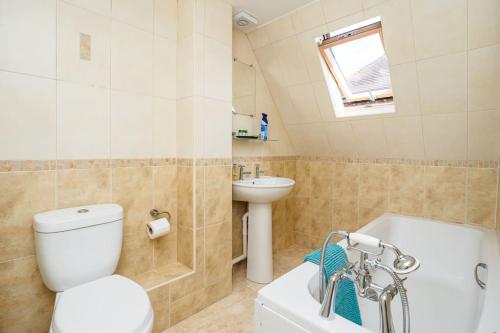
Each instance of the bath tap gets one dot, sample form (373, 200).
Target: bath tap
(361, 274)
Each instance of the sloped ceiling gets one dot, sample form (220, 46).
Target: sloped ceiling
(446, 83)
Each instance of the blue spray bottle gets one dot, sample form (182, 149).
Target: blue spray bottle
(263, 127)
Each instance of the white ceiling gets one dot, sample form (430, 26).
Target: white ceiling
(266, 10)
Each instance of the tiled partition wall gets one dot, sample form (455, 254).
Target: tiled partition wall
(335, 194)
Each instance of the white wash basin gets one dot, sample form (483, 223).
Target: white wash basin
(262, 190)
(260, 193)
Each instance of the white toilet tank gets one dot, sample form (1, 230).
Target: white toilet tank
(78, 245)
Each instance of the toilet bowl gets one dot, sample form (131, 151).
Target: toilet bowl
(111, 304)
(77, 251)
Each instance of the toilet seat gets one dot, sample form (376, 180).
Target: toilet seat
(110, 304)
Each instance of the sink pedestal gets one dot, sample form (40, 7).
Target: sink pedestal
(260, 242)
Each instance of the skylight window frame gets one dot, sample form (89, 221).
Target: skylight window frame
(334, 68)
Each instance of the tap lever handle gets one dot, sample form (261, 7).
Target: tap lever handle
(364, 239)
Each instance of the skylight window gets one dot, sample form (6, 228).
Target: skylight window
(357, 69)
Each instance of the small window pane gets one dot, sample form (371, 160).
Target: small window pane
(363, 64)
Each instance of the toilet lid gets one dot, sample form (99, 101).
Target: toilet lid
(110, 304)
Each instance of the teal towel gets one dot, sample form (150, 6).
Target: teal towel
(346, 301)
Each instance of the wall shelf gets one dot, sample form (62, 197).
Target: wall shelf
(251, 139)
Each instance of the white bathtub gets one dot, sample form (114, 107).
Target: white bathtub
(443, 294)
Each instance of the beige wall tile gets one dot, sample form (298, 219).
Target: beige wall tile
(99, 6)
(405, 88)
(137, 248)
(165, 249)
(445, 193)
(406, 190)
(484, 71)
(165, 199)
(346, 21)
(82, 121)
(73, 21)
(29, 37)
(404, 137)
(345, 216)
(370, 138)
(185, 197)
(258, 38)
(432, 21)
(374, 186)
(164, 65)
(345, 183)
(184, 127)
(444, 137)
(481, 196)
(216, 140)
(28, 117)
(218, 193)
(280, 230)
(136, 13)
(26, 303)
(187, 306)
(309, 139)
(498, 210)
(218, 70)
(185, 246)
(301, 217)
(335, 9)
(131, 59)
(185, 68)
(160, 300)
(398, 32)
(219, 290)
(131, 125)
(165, 18)
(443, 84)
(164, 128)
(218, 21)
(342, 139)
(304, 102)
(238, 209)
(218, 252)
(185, 18)
(366, 215)
(24, 194)
(292, 63)
(323, 100)
(484, 135)
(83, 187)
(483, 23)
(308, 17)
(279, 29)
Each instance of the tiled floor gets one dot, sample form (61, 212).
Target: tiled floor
(235, 313)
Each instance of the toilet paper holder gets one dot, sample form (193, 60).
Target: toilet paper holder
(155, 213)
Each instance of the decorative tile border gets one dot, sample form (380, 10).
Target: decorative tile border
(450, 163)
(43, 165)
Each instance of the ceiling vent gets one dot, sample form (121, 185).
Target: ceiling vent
(244, 21)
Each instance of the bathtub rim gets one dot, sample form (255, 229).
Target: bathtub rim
(285, 292)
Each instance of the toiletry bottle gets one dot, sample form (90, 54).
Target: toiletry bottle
(263, 127)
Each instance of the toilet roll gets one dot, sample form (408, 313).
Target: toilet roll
(158, 228)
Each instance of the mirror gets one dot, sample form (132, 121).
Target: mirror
(244, 88)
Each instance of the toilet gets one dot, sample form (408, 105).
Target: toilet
(77, 250)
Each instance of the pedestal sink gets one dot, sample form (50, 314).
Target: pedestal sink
(260, 193)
